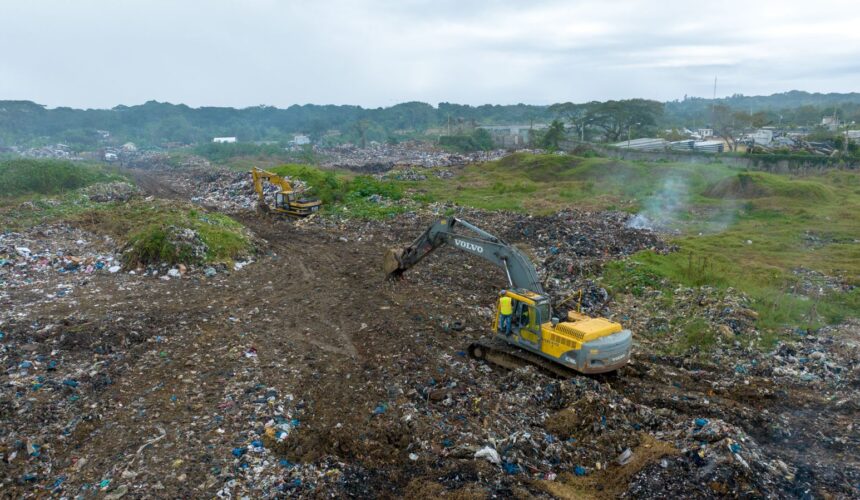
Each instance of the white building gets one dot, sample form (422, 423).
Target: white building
(830, 122)
(224, 140)
(762, 136)
(300, 140)
(705, 132)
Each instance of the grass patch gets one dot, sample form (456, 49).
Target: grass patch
(23, 177)
(346, 194)
(162, 231)
(547, 183)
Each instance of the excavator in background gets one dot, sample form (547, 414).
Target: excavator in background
(287, 201)
(581, 343)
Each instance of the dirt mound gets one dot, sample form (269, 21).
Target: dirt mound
(751, 185)
(740, 186)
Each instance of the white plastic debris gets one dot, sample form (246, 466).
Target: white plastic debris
(625, 457)
(490, 454)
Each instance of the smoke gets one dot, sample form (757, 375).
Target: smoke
(669, 209)
(665, 208)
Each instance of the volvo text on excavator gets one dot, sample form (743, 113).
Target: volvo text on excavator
(580, 342)
(287, 201)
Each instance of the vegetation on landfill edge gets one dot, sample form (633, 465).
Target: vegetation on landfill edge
(348, 194)
(50, 177)
(741, 229)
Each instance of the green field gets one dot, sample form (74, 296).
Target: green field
(23, 177)
(734, 228)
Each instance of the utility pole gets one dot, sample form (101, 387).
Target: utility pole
(714, 104)
(628, 133)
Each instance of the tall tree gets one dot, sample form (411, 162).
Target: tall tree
(728, 124)
(553, 135)
(575, 114)
(615, 118)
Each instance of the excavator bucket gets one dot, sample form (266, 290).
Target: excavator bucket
(391, 262)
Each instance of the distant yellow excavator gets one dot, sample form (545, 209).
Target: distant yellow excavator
(287, 201)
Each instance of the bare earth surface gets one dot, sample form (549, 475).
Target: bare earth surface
(307, 374)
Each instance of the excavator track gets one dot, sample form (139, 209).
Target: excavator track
(500, 353)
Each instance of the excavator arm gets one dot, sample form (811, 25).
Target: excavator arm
(518, 268)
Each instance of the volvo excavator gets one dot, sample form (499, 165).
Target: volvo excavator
(579, 342)
(287, 201)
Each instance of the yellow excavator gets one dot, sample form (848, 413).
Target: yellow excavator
(287, 201)
(536, 335)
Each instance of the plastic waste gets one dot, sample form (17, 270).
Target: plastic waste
(625, 457)
(490, 454)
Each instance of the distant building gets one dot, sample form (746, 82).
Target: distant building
(709, 146)
(129, 147)
(224, 140)
(762, 136)
(705, 132)
(300, 140)
(643, 144)
(830, 122)
(853, 134)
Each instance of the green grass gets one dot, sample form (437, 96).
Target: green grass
(146, 228)
(347, 194)
(543, 184)
(738, 229)
(23, 177)
(766, 239)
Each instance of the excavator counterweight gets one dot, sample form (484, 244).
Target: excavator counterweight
(580, 342)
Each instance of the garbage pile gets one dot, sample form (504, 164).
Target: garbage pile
(157, 160)
(567, 247)
(378, 158)
(228, 191)
(412, 174)
(111, 191)
(30, 257)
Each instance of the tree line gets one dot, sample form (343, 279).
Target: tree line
(156, 124)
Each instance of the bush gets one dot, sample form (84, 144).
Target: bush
(478, 140)
(50, 177)
(331, 188)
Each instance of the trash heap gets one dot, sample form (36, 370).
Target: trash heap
(111, 192)
(229, 191)
(379, 158)
(31, 256)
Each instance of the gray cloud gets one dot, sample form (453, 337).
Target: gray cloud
(91, 53)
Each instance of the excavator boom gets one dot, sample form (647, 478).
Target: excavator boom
(519, 270)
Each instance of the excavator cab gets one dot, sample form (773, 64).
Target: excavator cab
(526, 317)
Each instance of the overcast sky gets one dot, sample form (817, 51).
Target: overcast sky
(100, 53)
